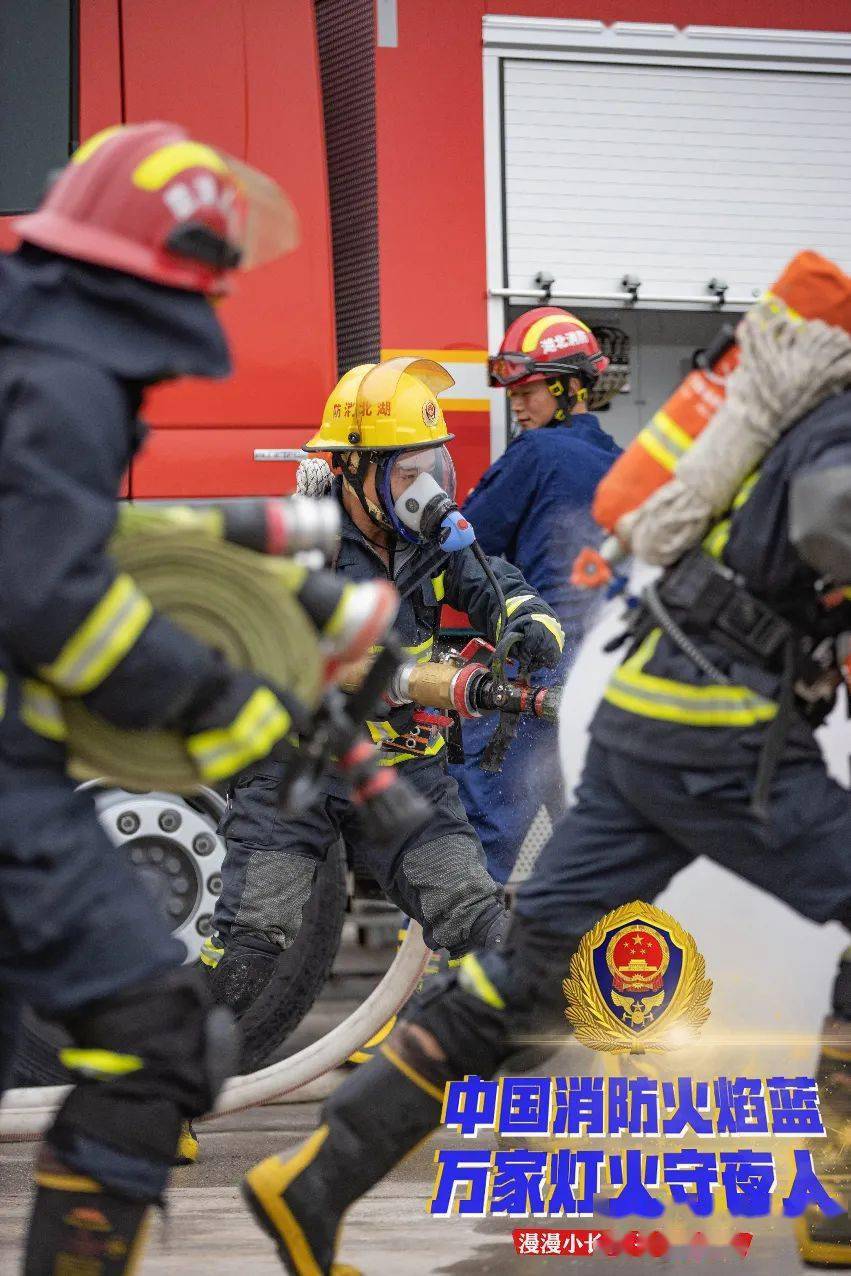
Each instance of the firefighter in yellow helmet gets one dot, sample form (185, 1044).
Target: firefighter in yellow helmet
(385, 429)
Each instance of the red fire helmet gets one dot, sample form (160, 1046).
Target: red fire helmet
(149, 200)
(547, 343)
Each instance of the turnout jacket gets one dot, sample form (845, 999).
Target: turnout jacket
(78, 345)
(658, 705)
(458, 580)
(533, 505)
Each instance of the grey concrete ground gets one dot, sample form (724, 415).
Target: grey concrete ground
(206, 1228)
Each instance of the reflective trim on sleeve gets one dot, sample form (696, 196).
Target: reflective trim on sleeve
(257, 728)
(421, 651)
(102, 641)
(472, 978)
(649, 696)
(100, 1065)
(41, 710)
(550, 623)
(439, 586)
(511, 605)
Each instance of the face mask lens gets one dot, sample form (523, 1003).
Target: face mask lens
(408, 466)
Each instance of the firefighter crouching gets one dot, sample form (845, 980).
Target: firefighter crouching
(108, 294)
(386, 431)
(702, 745)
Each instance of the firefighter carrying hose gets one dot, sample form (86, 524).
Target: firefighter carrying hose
(386, 431)
(702, 745)
(109, 294)
(533, 506)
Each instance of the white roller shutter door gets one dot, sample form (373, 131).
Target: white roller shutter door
(673, 173)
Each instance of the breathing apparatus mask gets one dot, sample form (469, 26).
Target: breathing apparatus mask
(416, 495)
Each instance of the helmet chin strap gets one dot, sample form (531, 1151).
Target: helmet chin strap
(565, 401)
(353, 479)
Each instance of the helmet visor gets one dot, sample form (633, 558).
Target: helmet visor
(263, 224)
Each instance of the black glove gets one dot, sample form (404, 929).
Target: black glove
(541, 636)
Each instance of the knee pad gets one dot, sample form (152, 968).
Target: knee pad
(457, 898)
(148, 1058)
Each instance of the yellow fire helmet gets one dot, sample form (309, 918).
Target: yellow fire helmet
(382, 407)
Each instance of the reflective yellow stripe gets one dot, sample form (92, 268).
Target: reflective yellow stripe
(99, 1063)
(649, 696)
(211, 953)
(94, 143)
(259, 725)
(675, 436)
(511, 605)
(66, 1182)
(517, 600)
(4, 684)
(103, 639)
(473, 978)
(411, 1073)
(715, 541)
(362, 1055)
(439, 586)
(550, 623)
(41, 710)
(156, 170)
(421, 651)
(381, 731)
(337, 619)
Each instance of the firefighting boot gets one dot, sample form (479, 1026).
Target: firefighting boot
(823, 1241)
(378, 1115)
(187, 1145)
(77, 1226)
(241, 971)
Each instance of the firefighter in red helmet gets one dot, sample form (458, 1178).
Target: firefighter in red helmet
(533, 507)
(107, 295)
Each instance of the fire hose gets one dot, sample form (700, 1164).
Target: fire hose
(240, 602)
(25, 1114)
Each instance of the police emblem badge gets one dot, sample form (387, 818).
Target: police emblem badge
(637, 983)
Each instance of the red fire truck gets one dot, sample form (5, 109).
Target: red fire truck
(452, 162)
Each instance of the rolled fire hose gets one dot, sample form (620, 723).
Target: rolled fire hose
(238, 601)
(26, 1114)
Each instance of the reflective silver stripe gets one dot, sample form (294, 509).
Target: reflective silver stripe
(41, 710)
(103, 639)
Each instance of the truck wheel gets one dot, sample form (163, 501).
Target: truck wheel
(301, 970)
(173, 846)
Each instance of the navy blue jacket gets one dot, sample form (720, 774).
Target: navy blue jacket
(78, 346)
(533, 506)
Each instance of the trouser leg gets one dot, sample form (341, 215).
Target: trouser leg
(82, 943)
(267, 878)
(468, 1021)
(438, 876)
(149, 1058)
